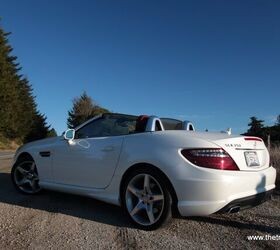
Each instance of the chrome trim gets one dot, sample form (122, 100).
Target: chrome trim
(253, 149)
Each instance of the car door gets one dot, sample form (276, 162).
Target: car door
(91, 158)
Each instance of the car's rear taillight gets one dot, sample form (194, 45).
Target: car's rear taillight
(216, 158)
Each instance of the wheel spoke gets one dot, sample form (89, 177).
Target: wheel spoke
(133, 190)
(35, 178)
(137, 208)
(146, 181)
(157, 197)
(33, 184)
(22, 171)
(149, 210)
(147, 187)
(22, 181)
(32, 168)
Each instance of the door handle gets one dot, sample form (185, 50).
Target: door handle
(108, 149)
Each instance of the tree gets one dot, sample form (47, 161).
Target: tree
(52, 133)
(9, 94)
(274, 132)
(83, 109)
(39, 129)
(278, 121)
(19, 117)
(27, 109)
(256, 127)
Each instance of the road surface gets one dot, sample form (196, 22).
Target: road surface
(54, 220)
(6, 155)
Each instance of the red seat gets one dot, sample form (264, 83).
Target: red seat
(141, 123)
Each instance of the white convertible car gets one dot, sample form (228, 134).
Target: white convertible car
(150, 166)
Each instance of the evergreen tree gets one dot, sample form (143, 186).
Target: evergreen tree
(28, 108)
(274, 132)
(52, 133)
(278, 121)
(83, 109)
(19, 117)
(39, 128)
(256, 127)
(9, 94)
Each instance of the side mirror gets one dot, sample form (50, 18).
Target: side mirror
(69, 134)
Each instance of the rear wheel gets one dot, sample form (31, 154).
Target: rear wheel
(25, 176)
(146, 199)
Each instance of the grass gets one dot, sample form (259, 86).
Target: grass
(6, 144)
(275, 161)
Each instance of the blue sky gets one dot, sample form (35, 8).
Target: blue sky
(213, 62)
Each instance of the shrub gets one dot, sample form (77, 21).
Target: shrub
(275, 162)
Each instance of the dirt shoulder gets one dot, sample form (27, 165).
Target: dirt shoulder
(54, 220)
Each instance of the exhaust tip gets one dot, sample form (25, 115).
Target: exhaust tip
(234, 209)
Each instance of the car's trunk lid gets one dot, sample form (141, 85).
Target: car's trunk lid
(249, 153)
(244, 150)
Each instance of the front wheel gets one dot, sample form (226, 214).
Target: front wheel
(146, 199)
(25, 176)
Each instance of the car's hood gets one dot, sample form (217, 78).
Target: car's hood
(42, 142)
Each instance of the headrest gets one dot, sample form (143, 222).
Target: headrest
(141, 123)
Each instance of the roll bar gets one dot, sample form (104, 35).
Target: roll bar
(187, 125)
(152, 124)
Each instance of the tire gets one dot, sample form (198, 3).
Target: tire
(25, 177)
(146, 198)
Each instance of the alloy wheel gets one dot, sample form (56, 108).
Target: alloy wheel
(26, 177)
(144, 199)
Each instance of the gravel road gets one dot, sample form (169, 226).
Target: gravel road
(54, 220)
(6, 154)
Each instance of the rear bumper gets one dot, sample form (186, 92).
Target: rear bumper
(246, 202)
(215, 190)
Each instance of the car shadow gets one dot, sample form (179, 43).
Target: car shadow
(98, 211)
(56, 202)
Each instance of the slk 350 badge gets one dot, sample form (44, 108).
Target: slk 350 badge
(233, 145)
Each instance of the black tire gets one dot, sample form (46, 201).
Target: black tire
(166, 213)
(24, 162)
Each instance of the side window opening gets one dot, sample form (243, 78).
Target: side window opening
(92, 129)
(108, 125)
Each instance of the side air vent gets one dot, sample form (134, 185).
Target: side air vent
(45, 153)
